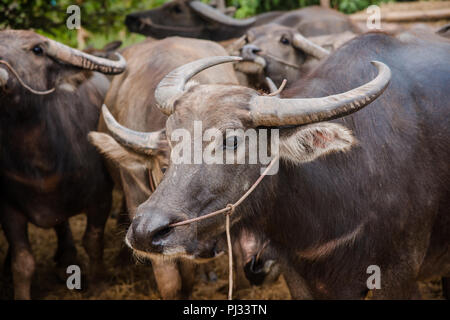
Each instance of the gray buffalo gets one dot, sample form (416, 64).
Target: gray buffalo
(49, 101)
(355, 191)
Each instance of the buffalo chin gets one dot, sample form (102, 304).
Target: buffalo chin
(167, 256)
(175, 253)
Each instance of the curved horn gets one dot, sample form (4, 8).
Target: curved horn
(309, 47)
(272, 86)
(84, 60)
(217, 16)
(272, 111)
(172, 85)
(141, 142)
(274, 91)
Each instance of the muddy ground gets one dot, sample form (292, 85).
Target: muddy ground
(137, 281)
(134, 281)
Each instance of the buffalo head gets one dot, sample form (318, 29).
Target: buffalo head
(192, 188)
(31, 62)
(278, 52)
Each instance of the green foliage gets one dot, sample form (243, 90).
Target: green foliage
(103, 18)
(351, 6)
(246, 8)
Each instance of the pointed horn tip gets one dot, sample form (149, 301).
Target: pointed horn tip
(229, 58)
(380, 65)
(383, 69)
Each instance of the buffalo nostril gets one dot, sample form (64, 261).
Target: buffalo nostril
(250, 50)
(160, 234)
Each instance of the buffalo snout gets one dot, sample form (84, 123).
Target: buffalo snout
(249, 51)
(133, 22)
(150, 231)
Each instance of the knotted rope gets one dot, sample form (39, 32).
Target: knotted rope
(228, 211)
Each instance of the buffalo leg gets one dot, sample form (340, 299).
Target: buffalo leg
(188, 273)
(7, 263)
(125, 256)
(446, 287)
(298, 287)
(168, 279)
(15, 226)
(66, 253)
(397, 286)
(93, 237)
(239, 263)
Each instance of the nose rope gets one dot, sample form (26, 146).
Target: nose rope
(228, 211)
(23, 83)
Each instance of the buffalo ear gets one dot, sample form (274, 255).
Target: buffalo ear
(312, 141)
(112, 150)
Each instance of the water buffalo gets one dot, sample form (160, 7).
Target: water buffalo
(281, 52)
(131, 100)
(192, 19)
(332, 213)
(198, 20)
(50, 99)
(138, 171)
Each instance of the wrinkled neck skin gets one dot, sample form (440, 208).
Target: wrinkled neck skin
(280, 202)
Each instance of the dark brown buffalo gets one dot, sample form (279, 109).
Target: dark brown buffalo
(48, 170)
(330, 212)
(197, 20)
(193, 19)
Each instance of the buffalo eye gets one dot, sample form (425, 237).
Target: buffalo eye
(37, 50)
(285, 41)
(163, 169)
(231, 143)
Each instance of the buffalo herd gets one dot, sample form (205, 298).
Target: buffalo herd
(362, 135)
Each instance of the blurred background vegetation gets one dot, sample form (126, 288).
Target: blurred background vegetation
(103, 20)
